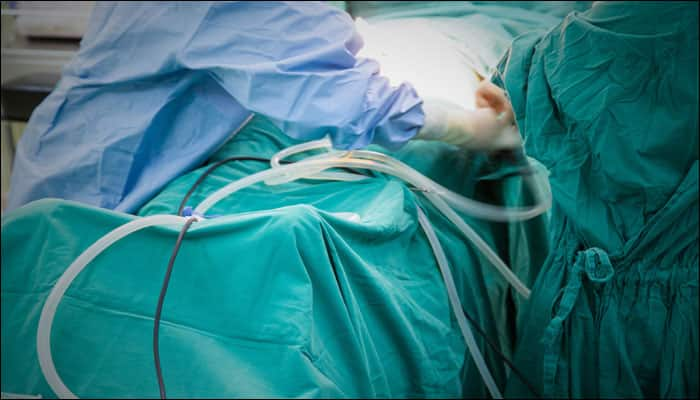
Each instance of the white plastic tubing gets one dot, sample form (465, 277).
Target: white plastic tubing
(543, 197)
(316, 168)
(43, 336)
(456, 306)
(441, 197)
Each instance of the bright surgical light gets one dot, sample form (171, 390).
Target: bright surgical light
(411, 50)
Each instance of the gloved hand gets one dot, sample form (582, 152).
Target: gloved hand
(491, 96)
(489, 127)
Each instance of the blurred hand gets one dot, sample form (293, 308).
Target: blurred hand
(489, 130)
(482, 129)
(491, 96)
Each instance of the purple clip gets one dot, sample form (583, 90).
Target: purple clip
(189, 212)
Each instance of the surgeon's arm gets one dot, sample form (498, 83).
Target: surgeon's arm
(295, 63)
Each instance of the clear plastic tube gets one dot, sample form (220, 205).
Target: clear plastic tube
(8, 395)
(456, 306)
(472, 207)
(289, 172)
(312, 167)
(299, 148)
(408, 174)
(48, 312)
(296, 169)
(303, 147)
(542, 195)
(300, 169)
(480, 244)
(386, 164)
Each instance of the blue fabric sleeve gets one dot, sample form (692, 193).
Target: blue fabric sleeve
(157, 87)
(296, 64)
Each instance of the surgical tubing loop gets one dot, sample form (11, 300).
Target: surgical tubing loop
(303, 147)
(456, 306)
(480, 244)
(315, 167)
(444, 208)
(309, 167)
(469, 206)
(48, 312)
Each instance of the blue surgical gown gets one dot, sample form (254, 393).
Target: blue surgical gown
(156, 88)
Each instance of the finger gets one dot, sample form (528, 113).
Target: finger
(493, 97)
(485, 98)
(481, 101)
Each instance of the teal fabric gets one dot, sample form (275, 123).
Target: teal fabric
(340, 4)
(282, 297)
(608, 101)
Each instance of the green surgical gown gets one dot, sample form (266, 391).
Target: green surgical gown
(608, 102)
